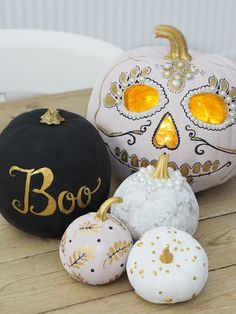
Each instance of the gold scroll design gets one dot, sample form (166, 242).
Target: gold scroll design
(199, 150)
(198, 169)
(116, 251)
(84, 192)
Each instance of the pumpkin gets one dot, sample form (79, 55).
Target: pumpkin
(156, 197)
(54, 168)
(167, 265)
(179, 103)
(95, 247)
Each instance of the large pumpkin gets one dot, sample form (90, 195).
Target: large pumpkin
(151, 102)
(54, 167)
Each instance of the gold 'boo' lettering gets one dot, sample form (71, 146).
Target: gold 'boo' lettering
(83, 197)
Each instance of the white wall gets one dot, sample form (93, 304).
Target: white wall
(208, 25)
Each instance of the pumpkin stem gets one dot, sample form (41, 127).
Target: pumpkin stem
(101, 213)
(51, 117)
(178, 45)
(161, 170)
(166, 257)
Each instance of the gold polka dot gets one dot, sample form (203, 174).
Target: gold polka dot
(139, 244)
(198, 247)
(193, 260)
(174, 240)
(153, 252)
(160, 268)
(177, 265)
(179, 242)
(187, 249)
(194, 278)
(167, 271)
(194, 296)
(153, 260)
(168, 300)
(175, 232)
(168, 231)
(157, 238)
(141, 271)
(160, 292)
(135, 263)
(181, 250)
(154, 273)
(195, 256)
(152, 243)
(176, 248)
(131, 270)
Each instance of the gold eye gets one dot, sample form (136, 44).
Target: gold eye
(209, 108)
(140, 98)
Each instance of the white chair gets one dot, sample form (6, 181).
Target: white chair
(34, 62)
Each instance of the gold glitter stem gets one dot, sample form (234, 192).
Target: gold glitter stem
(101, 213)
(51, 117)
(161, 170)
(178, 45)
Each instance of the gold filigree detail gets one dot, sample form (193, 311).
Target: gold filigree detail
(116, 251)
(51, 117)
(81, 256)
(178, 73)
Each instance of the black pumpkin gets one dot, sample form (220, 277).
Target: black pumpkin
(54, 167)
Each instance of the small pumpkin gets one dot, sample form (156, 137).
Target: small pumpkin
(156, 197)
(54, 168)
(167, 265)
(95, 247)
(169, 102)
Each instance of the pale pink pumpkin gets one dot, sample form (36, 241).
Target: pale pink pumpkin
(148, 103)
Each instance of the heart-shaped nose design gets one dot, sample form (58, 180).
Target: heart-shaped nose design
(166, 134)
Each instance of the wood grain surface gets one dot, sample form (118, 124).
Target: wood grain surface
(32, 279)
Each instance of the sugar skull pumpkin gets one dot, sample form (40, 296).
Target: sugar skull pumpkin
(176, 103)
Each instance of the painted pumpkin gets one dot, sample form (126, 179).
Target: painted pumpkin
(54, 168)
(151, 102)
(95, 247)
(155, 197)
(167, 266)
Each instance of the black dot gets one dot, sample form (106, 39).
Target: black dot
(121, 265)
(70, 241)
(110, 228)
(98, 240)
(92, 270)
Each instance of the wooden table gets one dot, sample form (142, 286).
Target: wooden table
(32, 279)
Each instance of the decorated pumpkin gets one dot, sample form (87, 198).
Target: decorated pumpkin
(54, 168)
(167, 266)
(156, 196)
(95, 247)
(155, 99)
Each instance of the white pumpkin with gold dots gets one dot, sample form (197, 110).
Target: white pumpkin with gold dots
(154, 197)
(167, 265)
(95, 246)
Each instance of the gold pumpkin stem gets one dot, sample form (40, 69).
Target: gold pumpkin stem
(161, 170)
(101, 213)
(178, 45)
(166, 257)
(51, 117)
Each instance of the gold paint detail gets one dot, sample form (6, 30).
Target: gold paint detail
(209, 108)
(154, 273)
(116, 251)
(161, 170)
(178, 45)
(169, 300)
(83, 197)
(87, 228)
(166, 134)
(51, 117)
(194, 296)
(139, 244)
(166, 256)
(102, 212)
(78, 277)
(63, 242)
(81, 256)
(194, 278)
(160, 292)
(140, 98)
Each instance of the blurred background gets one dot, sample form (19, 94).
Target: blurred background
(208, 25)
